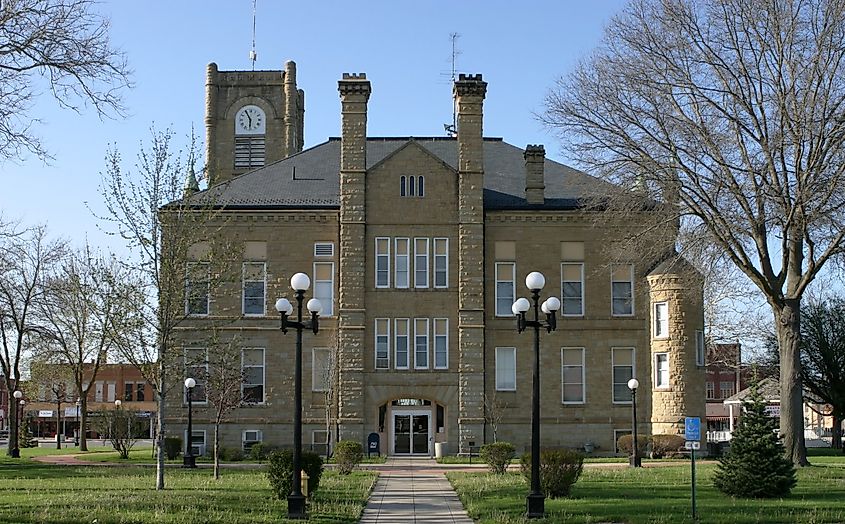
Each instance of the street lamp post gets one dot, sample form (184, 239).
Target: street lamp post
(189, 460)
(16, 452)
(299, 283)
(635, 460)
(535, 281)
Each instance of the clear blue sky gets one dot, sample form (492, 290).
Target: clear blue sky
(403, 46)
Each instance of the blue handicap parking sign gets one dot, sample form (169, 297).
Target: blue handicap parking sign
(692, 428)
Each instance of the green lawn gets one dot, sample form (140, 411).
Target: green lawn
(657, 495)
(32, 492)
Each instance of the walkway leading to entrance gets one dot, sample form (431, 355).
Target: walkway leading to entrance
(408, 491)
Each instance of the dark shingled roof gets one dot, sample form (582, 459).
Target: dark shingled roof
(310, 179)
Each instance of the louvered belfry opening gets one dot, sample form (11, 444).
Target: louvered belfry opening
(249, 152)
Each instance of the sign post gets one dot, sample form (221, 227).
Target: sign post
(692, 435)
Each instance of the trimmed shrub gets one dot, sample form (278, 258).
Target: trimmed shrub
(666, 445)
(172, 447)
(260, 451)
(348, 454)
(559, 470)
(498, 456)
(755, 466)
(231, 454)
(280, 471)
(626, 443)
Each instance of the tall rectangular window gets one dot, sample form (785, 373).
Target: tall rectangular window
(254, 284)
(252, 367)
(441, 262)
(661, 370)
(572, 288)
(505, 369)
(321, 369)
(382, 343)
(711, 389)
(382, 262)
(505, 288)
(402, 330)
(128, 390)
(139, 392)
(441, 343)
(196, 367)
(572, 375)
(421, 262)
(622, 289)
(197, 288)
(661, 320)
(726, 389)
(622, 362)
(420, 343)
(324, 286)
(699, 348)
(403, 263)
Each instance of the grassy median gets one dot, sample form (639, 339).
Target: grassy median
(33, 492)
(657, 495)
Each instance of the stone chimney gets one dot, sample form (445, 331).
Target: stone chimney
(291, 110)
(535, 161)
(469, 92)
(211, 92)
(354, 93)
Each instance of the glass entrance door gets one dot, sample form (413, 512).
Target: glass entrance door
(411, 433)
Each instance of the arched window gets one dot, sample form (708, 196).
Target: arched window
(402, 181)
(411, 186)
(420, 186)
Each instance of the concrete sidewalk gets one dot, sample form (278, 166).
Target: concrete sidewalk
(409, 491)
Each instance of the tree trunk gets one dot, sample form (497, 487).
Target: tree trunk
(159, 440)
(788, 325)
(13, 419)
(58, 425)
(83, 423)
(217, 450)
(836, 433)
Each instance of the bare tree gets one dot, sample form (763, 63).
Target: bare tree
(223, 383)
(52, 379)
(732, 112)
(65, 43)
(26, 261)
(84, 301)
(494, 412)
(163, 231)
(122, 428)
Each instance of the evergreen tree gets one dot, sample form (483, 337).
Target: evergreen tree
(756, 465)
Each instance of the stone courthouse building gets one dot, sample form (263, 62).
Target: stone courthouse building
(417, 248)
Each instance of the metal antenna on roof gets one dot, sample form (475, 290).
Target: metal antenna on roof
(253, 55)
(452, 129)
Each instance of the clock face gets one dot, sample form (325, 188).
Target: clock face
(250, 121)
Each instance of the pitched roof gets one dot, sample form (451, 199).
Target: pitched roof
(310, 178)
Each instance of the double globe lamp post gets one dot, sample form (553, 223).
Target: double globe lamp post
(299, 283)
(535, 281)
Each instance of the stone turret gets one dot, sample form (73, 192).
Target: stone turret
(355, 92)
(675, 292)
(535, 160)
(469, 92)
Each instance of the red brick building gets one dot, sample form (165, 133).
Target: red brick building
(725, 377)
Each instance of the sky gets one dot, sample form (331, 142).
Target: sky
(404, 47)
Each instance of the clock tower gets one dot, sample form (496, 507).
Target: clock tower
(252, 118)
